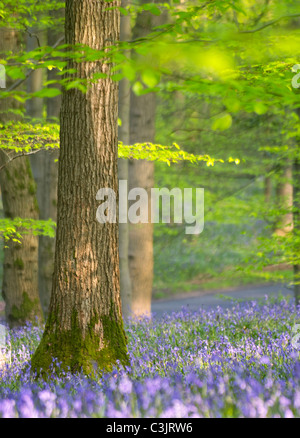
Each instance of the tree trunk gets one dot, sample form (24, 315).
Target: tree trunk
(20, 280)
(268, 189)
(141, 174)
(296, 215)
(47, 174)
(284, 192)
(84, 329)
(44, 171)
(124, 136)
(34, 106)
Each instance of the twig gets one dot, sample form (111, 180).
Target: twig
(270, 23)
(23, 154)
(20, 81)
(33, 35)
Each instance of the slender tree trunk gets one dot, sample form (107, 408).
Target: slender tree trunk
(268, 189)
(296, 217)
(124, 136)
(284, 192)
(46, 181)
(20, 280)
(34, 106)
(141, 174)
(85, 327)
(20, 268)
(296, 175)
(47, 168)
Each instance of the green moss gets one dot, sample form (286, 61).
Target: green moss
(28, 168)
(77, 352)
(8, 175)
(115, 340)
(35, 203)
(21, 186)
(27, 311)
(19, 264)
(31, 188)
(16, 174)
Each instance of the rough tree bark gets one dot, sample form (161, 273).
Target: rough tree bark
(84, 328)
(124, 136)
(20, 268)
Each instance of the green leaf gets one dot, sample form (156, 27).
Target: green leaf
(150, 78)
(222, 123)
(129, 71)
(233, 105)
(152, 8)
(47, 92)
(138, 88)
(123, 11)
(260, 108)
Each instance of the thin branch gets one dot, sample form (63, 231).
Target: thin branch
(270, 23)
(33, 35)
(20, 81)
(23, 154)
(261, 15)
(241, 189)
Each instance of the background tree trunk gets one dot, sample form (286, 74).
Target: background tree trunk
(124, 136)
(268, 189)
(296, 217)
(296, 214)
(44, 171)
(141, 174)
(284, 194)
(85, 327)
(20, 279)
(46, 174)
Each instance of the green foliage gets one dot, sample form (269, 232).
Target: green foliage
(222, 123)
(24, 14)
(26, 137)
(223, 72)
(13, 229)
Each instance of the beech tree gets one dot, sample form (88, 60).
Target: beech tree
(20, 267)
(84, 328)
(47, 183)
(124, 136)
(141, 174)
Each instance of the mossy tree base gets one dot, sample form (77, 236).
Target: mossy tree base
(78, 352)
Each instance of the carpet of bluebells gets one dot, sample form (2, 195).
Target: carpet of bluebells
(235, 362)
